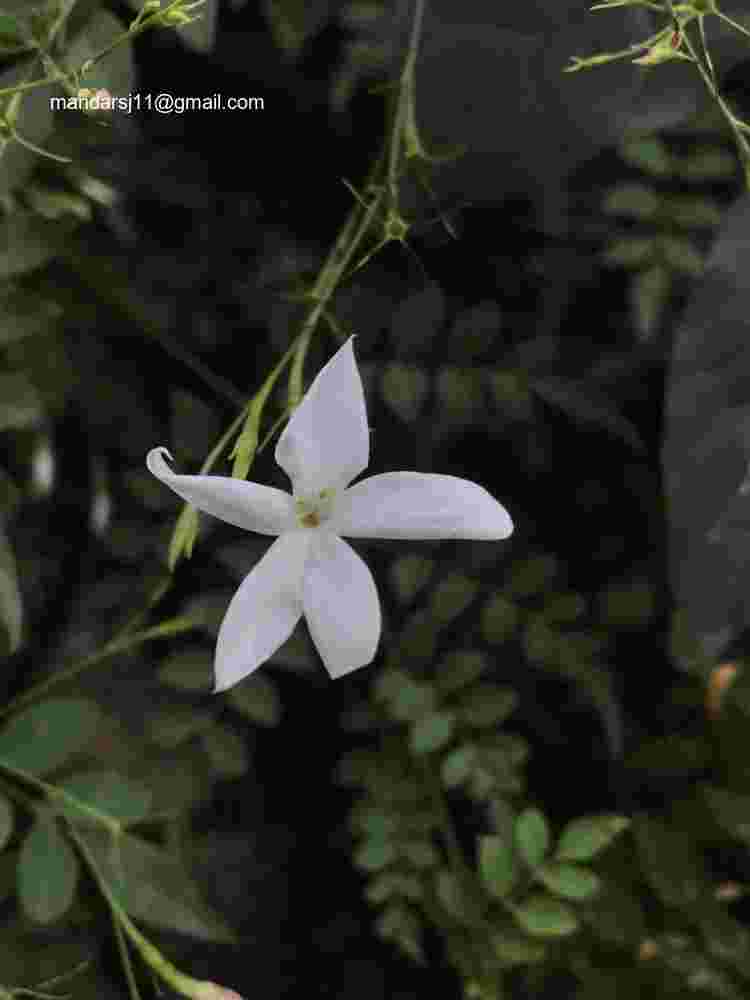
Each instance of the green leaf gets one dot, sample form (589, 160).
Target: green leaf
(404, 389)
(226, 751)
(257, 699)
(531, 576)
(6, 821)
(110, 793)
(412, 700)
(187, 671)
(532, 836)
(634, 252)
(458, 765)
(545, 917)
(570, 881)
(20, 405)
(681, 255)
(500, 618)
(416, 641)
(669, 862)
(585, 837)
(28, 241)
(47, 735)
(387, 884)
(459, 391)
(171, 726)
(453, 897)
(486, 705)
(200, 33)
(452, 596)
(515, 949)
(375, 823)
(375, 854)
(630, 603)
(731, 810)
(635, 201)
(24, 314)
(48, 871)
(431, 732)
(115, 72)
(460, 668)
(649, 153)
(153, 886)
(409, 574)
(615, 916)
(564, 608)
(399, 924)
(498, 867)
(184, 535)
(11, 606)
(420, 853)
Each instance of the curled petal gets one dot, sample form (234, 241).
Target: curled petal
(419, 507)
(326, 442)
(341, 605)
(247, 505)
(263, 612)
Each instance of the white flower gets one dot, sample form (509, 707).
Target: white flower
(310, 569)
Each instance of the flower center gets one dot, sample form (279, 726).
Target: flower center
(314, 509)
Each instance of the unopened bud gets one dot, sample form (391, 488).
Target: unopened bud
(210, 991)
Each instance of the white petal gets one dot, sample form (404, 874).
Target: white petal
(246, 505)
(326, 442)
(420, 506)
(341, 605)
(263, 612)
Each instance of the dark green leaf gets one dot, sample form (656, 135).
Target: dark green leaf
(543, 916)
(452, 596)
(20, 405)
(47, 872)
(399, 924)
(387, 884)
(258, 700)
(529, 577)
(420, 853)
(532, 836)
(460, 668)
(6, 821)
(43, 737)
(585, 837)
(404, 388)
(187, 671)
(172, 726)
(486, 705)
(498, 867)
(226, 751)
(409, 574)
(431, 732)
(11, 607)
(153, 886)
(669, 862)
(454, 898)
(458, 765)
(110, 793)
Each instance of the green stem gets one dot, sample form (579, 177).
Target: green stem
(55, 794)
(185, 985)
(120, 644)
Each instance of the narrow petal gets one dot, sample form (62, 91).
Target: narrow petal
(247, 505)
(419, 507)
(263, 612)
(326, 442)
(341, 605)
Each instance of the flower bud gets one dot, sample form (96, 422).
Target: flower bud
(210, 991)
